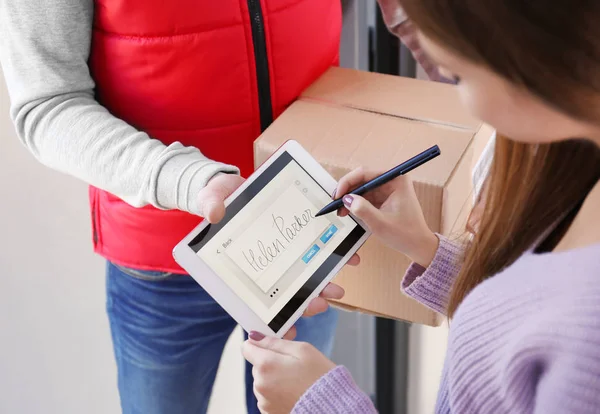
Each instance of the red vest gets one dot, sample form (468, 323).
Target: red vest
(209, 74)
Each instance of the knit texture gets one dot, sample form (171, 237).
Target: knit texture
(524, 341)
(432, 286)
(334, 393)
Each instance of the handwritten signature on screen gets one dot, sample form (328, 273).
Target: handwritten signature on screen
(267, 253)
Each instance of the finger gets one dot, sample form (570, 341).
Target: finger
(352, 180)
(252, 353)
(343, 212)
(365, 211)
(257, 355)
(211, 199)
(354, 260)
(213, 211)
(332, 291)
(291, 334)
(275, 345)
(320, 304)
(316, 306)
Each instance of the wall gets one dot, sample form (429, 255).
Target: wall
(55, 352)
(427, 349)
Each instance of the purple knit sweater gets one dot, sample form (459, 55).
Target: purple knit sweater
(524, 341)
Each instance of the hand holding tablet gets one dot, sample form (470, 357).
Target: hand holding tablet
(276, 248)
(270, 255)
(211, 199)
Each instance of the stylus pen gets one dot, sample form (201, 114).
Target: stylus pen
(386, 177)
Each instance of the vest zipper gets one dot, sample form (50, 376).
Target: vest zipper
(94, 229)
(94, 209)
(262, 63)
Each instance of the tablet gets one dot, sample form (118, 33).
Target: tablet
(269, 256)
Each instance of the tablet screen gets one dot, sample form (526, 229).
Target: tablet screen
(270, 249)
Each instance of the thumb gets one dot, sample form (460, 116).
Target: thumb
(280, 346)
(261, 352)
(365, 211)
(211, 199)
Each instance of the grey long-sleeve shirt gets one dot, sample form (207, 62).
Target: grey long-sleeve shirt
(44, 49)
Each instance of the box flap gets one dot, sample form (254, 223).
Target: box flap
(392, 95)
(348, 138)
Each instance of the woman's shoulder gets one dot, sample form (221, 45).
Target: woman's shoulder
(542, 296)
(560, 273)
(565, 289)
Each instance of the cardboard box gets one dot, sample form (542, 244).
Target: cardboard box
(351, 118)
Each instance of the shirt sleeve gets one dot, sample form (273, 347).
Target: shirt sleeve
(44, 49)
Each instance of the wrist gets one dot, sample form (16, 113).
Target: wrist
(425, 249)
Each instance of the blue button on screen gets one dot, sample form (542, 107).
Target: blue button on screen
(310, 254)
(328, 234)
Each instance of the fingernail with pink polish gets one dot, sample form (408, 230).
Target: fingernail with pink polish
(348, 201)
(334, 193)
(256, 336)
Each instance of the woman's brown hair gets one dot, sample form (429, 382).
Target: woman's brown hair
(551, 48)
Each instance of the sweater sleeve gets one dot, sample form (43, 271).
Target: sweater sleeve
(432, 286)
(335, 393)
(44, 49)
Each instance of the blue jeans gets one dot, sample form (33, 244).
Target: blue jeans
(168, 336)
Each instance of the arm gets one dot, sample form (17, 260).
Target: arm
(432, 286)
(336, 391)
(44, 48)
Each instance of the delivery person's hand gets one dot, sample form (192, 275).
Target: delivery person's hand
(393, 213)
(211, 201)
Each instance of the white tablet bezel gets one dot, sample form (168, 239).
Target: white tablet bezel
(216, 287)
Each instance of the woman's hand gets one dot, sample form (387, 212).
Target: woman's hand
(283, 371)
(393, 213)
